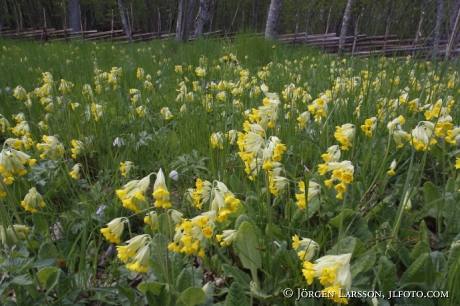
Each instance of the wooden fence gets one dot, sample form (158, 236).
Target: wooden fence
(357, 45)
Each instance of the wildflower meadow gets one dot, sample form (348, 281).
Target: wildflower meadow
(222, 172)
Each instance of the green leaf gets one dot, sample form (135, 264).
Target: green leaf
(21, 280)
(386, 274)
(39, 223)
(236, 184)
(451, 213)
(422, 246)
(236, 274)
(363, 263)
(433, 199)
(184, 280)
(421, 271)
(439, 261)
(191, 297)
(177, 265)
(336, 221)
(153, 287)
(360, 230)
(127, 291)
(48, 277)
(236, 296)
(47, 251)
(346, 245)
(247, 246)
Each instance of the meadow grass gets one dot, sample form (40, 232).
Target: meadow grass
(258, 144)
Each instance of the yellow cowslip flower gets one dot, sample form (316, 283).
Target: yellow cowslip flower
(48, 78)
(65, 86)
(303, 119)
(453, 136)
(126, 167)
(332, 154)
(200, 71)
(395, 122)
(227, 237)
(4, 123)
(333, 271)
(51, 147)
(399, 136)
(277, 184)
(217, 140)
(97, 110)
(232, 136)
(166, 113)
(12, 162)
(138, 249)
(15, 143)
(176, 216)
(32, 201)
(10, 235)
(178, 69)
(369, 126)
(306, 247)
(75, 173)
(132, 193)
(77, 149)
(140, 73)
(345, 134)
(392, 168)
(22, 128)
(421, 136)
(114, 230)
(152, 219)
(160, 191)
(302, 199)
(20, 93)
(457, 163)
(142, 111)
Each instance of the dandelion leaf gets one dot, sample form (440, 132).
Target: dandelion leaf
(236, 296)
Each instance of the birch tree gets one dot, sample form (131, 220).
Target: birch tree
(124, 21)
(345, 22)
(74, 15)
(203, 16)
(274, 13)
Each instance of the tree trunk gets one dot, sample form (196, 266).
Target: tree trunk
(272, 20)
(346, 20)
(124, 21)
(453, 17)
(203, 16)
(74, 15)
(437, 28)
(188, 20)
(180, 13)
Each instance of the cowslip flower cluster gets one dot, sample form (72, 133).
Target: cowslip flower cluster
(333, 271)
(422, 136)
(302, 198)
(138, 251)
(114, 230)
(345, 134)
(319, 107)
(12, 162)
(192, 235)
(219, 198)
(32, 201)
(342, 172)
(51, 147)
(10, 235)
(126, 167)
(132, 194)
(369, 126)
(160, 191)
(75, 173)
(77, 149)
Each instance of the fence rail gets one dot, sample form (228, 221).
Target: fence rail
(358, 45)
